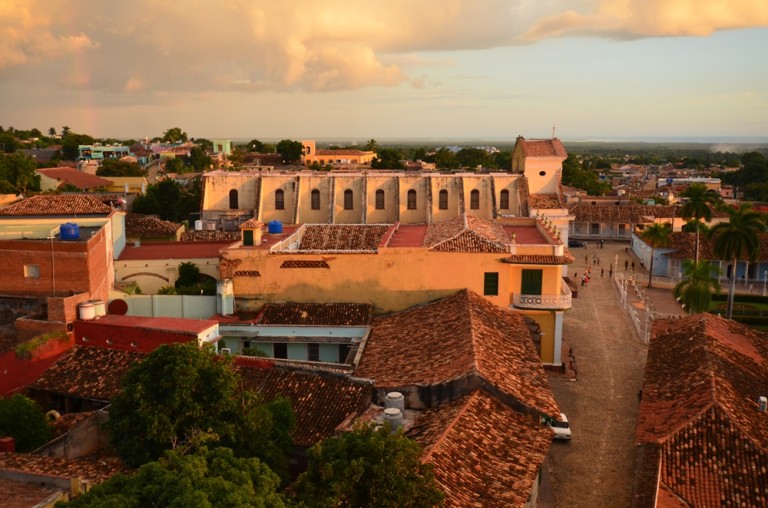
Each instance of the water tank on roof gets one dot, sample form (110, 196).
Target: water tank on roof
(69, 231)
(396, 400)
(275, 227)
(99, 307)
(198, 225)
(395, 418)
(86, 311)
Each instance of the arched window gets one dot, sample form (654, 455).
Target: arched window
(315, 199)
(504, 201)
(279, 199)
(233, 205)
(474, 200)
(443, 200)
(379, 199)
(411, 199)
(349, 200)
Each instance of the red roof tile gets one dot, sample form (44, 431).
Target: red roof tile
(172, 250)
(210, 236)
(466, 234)
(545, 201)
(95, 470)
(74, 177)
(342, 237)
(57, 204)
(538, 259)
(543, 148)
(148, 226)
(484, 453)
(622, 214)
(459, 336)
(324, 314)
(252, 224)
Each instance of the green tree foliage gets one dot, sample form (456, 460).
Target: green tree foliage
(656, 235)
(290, 151)
(754, 170)
(169, 200)
(446, 159)
(190, 281)
(52, 131)
(18, 174)
(695, 289)
(117, 167)
(576, 176)
(71, 142)
(207, 478)
(388, 158)
(371, 146)
(255, 145)
(473, 157)
(199, 160)
(368, 467)
(698, 206)
(737, 239)
(174, 135)
(8, 143)
(206, 145)
(23, 420)
(180, 392)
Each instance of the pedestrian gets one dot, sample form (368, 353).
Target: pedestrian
(626, 264)
(602, 271)
(583, 280)
(586, 258)
(598, 261)
(633, 266)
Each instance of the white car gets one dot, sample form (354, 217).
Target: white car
(561, 428)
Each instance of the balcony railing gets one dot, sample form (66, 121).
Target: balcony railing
(548, 302)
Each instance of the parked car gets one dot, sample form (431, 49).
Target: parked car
(561, 428)
(576, 243)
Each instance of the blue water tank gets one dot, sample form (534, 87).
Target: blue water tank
(69, 231)
(275, 227)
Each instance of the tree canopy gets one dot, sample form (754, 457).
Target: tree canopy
(656, 235)
(388, 158)
(289, 150)
(175, 135)
(576, 176)
(18, 174)
(696, 288)
(118, 167)
(22, 419)
(369, 467)
(169, 200)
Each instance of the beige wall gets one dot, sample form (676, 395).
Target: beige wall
(454, 187)
(421, 213)
(306, 185)
(389, 185)
(152, 274)
(357, 185)
(269, 186)
(483, 186)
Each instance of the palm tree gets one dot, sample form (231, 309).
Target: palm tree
(65, 130)
(52, 131)
(656, 235)
(736, 239)
(698, 206)
(698, 284)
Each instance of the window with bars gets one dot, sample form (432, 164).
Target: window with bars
(315, 199)
(443, 200)
(279, 199)
(474, 200)
(411, 199)
(491, 284)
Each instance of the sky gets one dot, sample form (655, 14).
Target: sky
(387, 69)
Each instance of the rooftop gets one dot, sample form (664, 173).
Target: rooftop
(95, 470)
(171, 324)
(314, 314)
(172, 250)
(72, 176)
(542, 147)
(148, 226)
(57, 204)
(467, 234)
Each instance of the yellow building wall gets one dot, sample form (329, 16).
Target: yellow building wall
(453, 186)
(390, 213)
(482, 184)
(357, 185)
(150, 275)
(550, 278)
(511, 184)
(217, 187)
(421, 213)
(306, 185)
(269, 185)
(546, 320)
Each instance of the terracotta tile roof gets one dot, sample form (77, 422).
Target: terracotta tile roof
(342, 237)
(72, 176)
(685, 246)
(252, 224)
(703, 377)
(88, 372)
(622, 214)
(483, 452)
(57, 204)
(320, 400)
(210, 236)
(466, 234)
(149, 226)
(543, 148)
(94, 470)
(545, 201)
(538, 259)
(342, 152)
(460, 336)
(305, 263)
(172, 250)
(21, 494)
(326, 314)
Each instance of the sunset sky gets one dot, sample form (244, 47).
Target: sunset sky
(332, 69)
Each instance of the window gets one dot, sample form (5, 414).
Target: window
(315, 199)
(248, 237)
(348, 200)
(279, 199)
(379, 199)
(504, 201)
(344, 352)
(32, 271)
(233, 205)
(280, 350)
(474, 200)
(411, 199)
(443, 200)
(542, 173)
(531, 282)
(595, 228)
(491, 284)
(313, 352)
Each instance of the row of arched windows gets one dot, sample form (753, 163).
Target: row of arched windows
(474, 200)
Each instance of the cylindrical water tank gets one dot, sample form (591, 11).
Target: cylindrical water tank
(69, 231)
(86, 311)
(99, 307)
(395, 418)
(198, 225)
(396, 400)
(275, 227)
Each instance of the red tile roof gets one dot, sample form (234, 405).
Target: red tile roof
(545, 201)
(342, 237)
(170, 324)
(622, 214)
(543, 148)
(72, 176)
(252, 224)
(321, 400)
(703, 377)
(21, 494)
(484, 453)
(148, 226)
(57, 204)
(172, 250)
(210, 236)
(95, 470)
(323, 314)
(466, 234)
(463, 335)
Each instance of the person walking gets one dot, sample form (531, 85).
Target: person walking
(626, 264)
(602, 271)
(610, 272)
(633, 266)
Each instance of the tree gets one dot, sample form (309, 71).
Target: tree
(71, 144)
(473, 157)
(207, 478)
(199, 160)
(698, 206)
(656, 235)
(52, 131)
(23, 420)
(371, 146)
(388, 158)
(118, 167)
(290, 151)
(446, 159)
(368, 467)
(65, 131)
(698, 284)
(169, 200)
(174, 135)
(180, 391)
(255, 145)
(18, 174)
(737, 239)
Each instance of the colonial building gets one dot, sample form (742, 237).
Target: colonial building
(311, 155)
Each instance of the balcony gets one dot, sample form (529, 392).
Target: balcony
(544, 302)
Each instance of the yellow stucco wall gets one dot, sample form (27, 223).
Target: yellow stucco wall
(389, 185)
(150, 275)
(357, 185)
(269, 186)
(482, 185)
(306, 185)
(452, 186)
(421, 213)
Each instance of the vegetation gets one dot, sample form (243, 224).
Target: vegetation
(181, 392)
(169, 200)
(656, 235)
(23, 420)
(18, 174)
(174, 135)
(190, 282)
(24, 350)
(205, 478)
(117, 167)
(369, 467)
(698, 284)
(737, 239)
(576, 176)
(700, 201)
(290, 151)
(388, 158)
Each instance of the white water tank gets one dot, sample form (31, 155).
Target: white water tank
(395, 418)
(198, 225)
(86, 311)
(99, 307)
(396, 400)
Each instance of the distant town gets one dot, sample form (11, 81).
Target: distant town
(305, 323)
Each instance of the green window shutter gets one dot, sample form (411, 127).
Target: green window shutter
(247, 237)
(491, 284)
(531, 282)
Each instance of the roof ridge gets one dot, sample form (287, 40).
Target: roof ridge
(472, 397)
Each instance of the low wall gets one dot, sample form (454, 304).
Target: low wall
(16, 372)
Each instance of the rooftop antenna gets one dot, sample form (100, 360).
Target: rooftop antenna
(553, 130)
